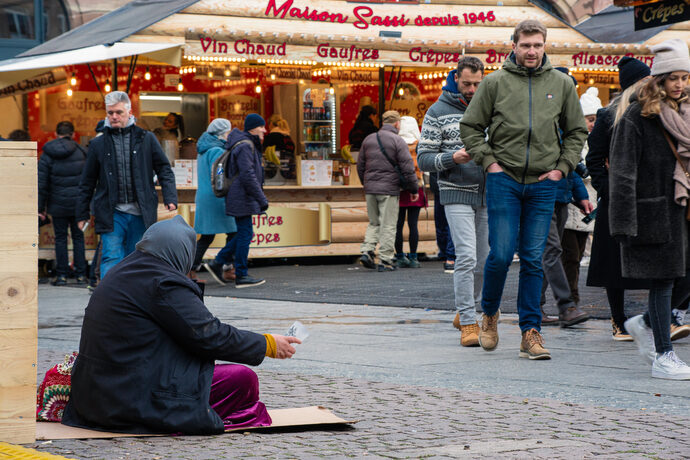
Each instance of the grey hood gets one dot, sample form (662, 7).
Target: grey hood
(172, 241)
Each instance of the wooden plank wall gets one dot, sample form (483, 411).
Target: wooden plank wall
(18, 291)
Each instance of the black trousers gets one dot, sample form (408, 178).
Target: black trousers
(60, 226)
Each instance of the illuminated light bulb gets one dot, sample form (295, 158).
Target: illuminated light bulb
(227, 72)
(107, 88)
(331, 90)
(420, 77)
(69, 91)
(329, 71)
(210, 74)
(257, 88)
(180, 87)
(73, 80)
(147, 75)
(273, 76)
(301, 82)
(401, 92)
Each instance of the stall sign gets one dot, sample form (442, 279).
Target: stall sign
(45, 80)
(84, 109)
(661, 13)
(606, 79)
(364, 16)
(172, 79)
(286, 227)
(237, 108)
(584, 58)
(211, 45)
(412, 108)
(324, 50)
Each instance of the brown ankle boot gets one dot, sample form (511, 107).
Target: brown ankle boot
(532, 346)
(547, 320)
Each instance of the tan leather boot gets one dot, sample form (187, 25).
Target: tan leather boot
(532, 346)
(488, 336)
(469, 335)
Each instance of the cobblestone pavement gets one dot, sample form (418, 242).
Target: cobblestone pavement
(415, 392)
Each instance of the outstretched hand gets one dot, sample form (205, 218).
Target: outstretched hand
(284, 349)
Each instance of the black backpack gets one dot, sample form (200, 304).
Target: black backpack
(220, 182)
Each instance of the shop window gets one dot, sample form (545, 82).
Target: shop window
(56, 18)
(17, 20)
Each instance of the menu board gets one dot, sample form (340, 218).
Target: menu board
(316, 172)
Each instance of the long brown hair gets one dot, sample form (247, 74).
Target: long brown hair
(622, 101)
(652, 94)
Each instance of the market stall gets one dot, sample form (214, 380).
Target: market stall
(315, 64)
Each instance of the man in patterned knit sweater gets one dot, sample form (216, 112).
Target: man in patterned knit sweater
(461, 186)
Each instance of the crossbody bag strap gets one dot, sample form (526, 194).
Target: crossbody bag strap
(673, 148)
(395, 165)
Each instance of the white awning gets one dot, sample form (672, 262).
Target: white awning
(17, 69)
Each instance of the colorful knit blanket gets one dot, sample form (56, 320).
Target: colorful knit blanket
(54, 391)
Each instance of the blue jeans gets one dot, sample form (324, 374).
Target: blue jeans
(118, 244)
(519, 219)
(238, 246)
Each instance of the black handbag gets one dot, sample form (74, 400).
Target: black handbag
(403, 184)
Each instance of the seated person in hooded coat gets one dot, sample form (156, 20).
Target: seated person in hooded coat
(148, 348)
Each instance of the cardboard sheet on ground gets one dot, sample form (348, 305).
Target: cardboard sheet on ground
(282, 418)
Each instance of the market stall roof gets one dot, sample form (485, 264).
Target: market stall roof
(14, 70)
(112, 27)
(616, 25)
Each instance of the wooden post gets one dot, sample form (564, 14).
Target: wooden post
(18, 291)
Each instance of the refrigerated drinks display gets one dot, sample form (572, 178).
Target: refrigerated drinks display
(319, 121)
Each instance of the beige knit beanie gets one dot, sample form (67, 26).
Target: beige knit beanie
(670, 56)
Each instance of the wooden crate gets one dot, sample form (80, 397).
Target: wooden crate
(18, 291)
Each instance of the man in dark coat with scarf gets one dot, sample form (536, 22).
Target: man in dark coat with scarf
(245, 199)
(120, 166)
(148, 347)
(59, 170)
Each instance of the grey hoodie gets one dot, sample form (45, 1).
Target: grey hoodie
(172, 241)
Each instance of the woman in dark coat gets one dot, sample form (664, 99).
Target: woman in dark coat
(148, 348)
(364, 125)
(649, 195)
(605, 264)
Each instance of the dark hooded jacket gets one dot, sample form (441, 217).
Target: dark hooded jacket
(102, 175)
(59, 170)
(149, 344)
(245, 196)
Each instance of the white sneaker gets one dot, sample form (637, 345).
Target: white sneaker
(642, 335)
(668, 366)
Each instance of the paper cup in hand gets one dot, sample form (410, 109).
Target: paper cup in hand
(298, 330)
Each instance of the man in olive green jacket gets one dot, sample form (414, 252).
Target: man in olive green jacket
(536, 131)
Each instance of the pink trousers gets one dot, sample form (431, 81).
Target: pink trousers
(235, 397)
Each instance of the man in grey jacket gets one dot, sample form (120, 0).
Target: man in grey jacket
(384, 162)
(461, 190)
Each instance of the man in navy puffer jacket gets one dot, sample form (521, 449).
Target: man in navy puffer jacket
(245, 198)
(59, 170)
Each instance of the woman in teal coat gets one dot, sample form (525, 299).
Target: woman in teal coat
(210, 218)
